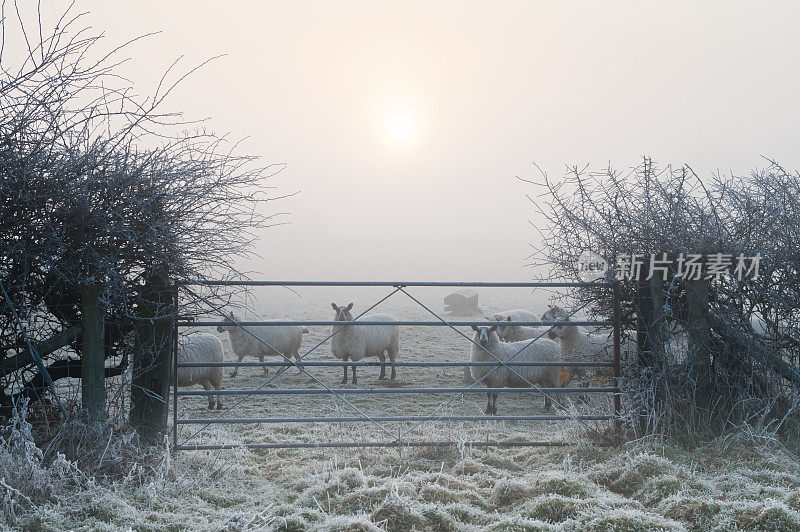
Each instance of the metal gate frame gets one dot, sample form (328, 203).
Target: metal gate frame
(340, 393)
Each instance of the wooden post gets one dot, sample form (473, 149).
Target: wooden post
(151, 365)
(658, 326)
(93, 354)
(697, 292)
(644, 321)
(617, 318)
(174, 366)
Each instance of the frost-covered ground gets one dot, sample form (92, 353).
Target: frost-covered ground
(742, 482)
(722, 485)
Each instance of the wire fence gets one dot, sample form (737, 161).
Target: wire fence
(347, 398)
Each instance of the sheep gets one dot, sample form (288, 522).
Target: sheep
(261, 341)
(515, 333)
(578, 344)
(356, 342)
(201, 347)
(540, 350)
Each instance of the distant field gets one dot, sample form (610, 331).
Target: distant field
(429, 344)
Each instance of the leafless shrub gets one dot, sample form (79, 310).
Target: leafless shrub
(749, 376)
(27, 478)
(100, 187)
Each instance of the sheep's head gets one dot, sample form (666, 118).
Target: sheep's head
(342, 312)
(555, 313)
(483, 335)
(502, 330)
(230, 323)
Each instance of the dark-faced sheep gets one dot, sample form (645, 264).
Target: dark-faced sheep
(356, 342)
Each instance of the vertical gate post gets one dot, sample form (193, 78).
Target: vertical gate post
(617, 318)
(644, 321)
(175, 366)
(93, 354)
(151, 368)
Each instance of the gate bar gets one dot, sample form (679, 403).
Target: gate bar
(343, 324)
(376, 391)
(200, 421)
(289, 445)
(338, 363)
(529, 284)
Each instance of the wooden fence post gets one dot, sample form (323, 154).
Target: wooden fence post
(697, 292)
(651, 323)
(93, 354)
(151, 365)
(658, 328)
(644, 321)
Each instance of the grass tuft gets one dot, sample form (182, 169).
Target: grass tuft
(396, 514)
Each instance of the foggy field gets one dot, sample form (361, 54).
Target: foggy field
(429, 344)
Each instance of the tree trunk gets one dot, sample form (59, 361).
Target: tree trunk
(151, 366)
(659, 325)
(93, 354)
(644, 324)
(699, 339)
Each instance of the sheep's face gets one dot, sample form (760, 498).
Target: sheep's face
(230, 323)
(342, 312)
(485, 335)
(502, 330)
(555, 314)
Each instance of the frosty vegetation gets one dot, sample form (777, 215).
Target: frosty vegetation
(730, 373)
(103, 198)
(737, 482)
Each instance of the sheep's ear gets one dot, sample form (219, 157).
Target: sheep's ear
(335, 307)
(493, 328)
(350, 306)
(475, 328)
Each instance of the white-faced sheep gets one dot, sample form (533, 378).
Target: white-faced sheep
(357, 342)
(516, 333)
(201, 347)
(261, 341)
(578, 344)
(541, 350)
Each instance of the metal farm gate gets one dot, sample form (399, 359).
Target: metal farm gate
(348, 397)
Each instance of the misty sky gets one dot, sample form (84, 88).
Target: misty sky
(404, 125)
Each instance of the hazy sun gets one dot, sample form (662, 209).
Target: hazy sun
(399, 125)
